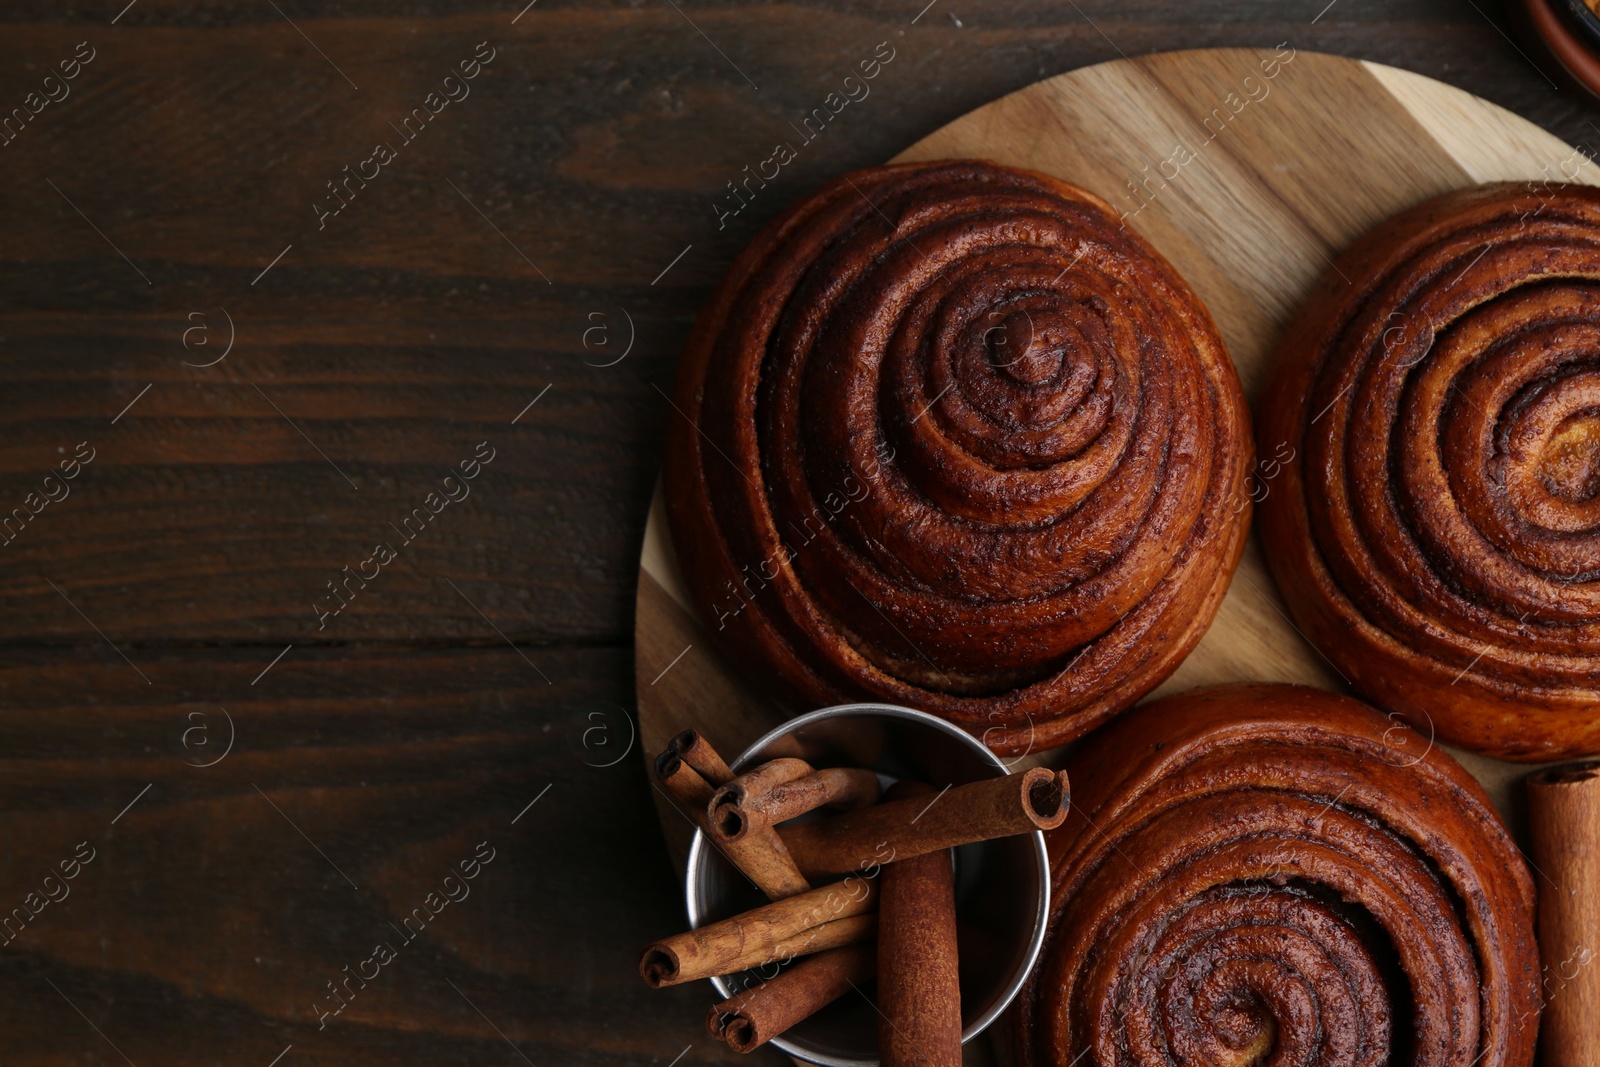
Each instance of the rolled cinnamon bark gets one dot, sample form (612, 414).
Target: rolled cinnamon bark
(750, 1019)
(824, 918)
(684, 783)
(765, 860)
(914, 826)
(724, 815)
(762, 857)
(919, 988)
(740, 806)
(697, 752)
(1564, 816)
(756, 848)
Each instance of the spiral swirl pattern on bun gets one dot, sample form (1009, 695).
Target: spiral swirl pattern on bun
(949, 436)
(1278, 875)
(1437, 533)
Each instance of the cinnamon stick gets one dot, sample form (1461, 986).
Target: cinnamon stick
(697, 752)
(914, 826)
(724, 812)
(762, 857)
(757, 850)
(750, 1019)
(749, 802)
(919, 988)
(683, 783)
(1564, 817)
(765, 860)
(824, 918)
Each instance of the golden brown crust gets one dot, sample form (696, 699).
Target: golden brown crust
(873, 498)
(1277, 869)
(1437, 530)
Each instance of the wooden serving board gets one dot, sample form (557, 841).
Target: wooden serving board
(1249, 170)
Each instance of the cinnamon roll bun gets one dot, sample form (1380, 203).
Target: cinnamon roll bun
(1437, 530)
(948, 435)
(1279, 875)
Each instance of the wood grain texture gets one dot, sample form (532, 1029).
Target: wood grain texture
(597, 141)
(206, 927)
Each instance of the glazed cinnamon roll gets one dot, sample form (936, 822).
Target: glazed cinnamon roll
(1436, 529)
(948, 435)
(1279, 875)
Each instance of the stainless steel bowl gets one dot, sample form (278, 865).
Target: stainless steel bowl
(1002, 887)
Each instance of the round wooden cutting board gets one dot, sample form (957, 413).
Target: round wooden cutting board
(1249, 170)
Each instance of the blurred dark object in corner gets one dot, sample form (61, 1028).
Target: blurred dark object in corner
(1566, 38)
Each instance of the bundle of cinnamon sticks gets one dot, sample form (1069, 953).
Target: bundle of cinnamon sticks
(892, 916)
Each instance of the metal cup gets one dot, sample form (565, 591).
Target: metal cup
(1002, 886)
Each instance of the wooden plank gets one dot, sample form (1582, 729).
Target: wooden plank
(220, 903)
(209, 512)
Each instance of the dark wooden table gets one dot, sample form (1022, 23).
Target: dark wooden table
(275, 741)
